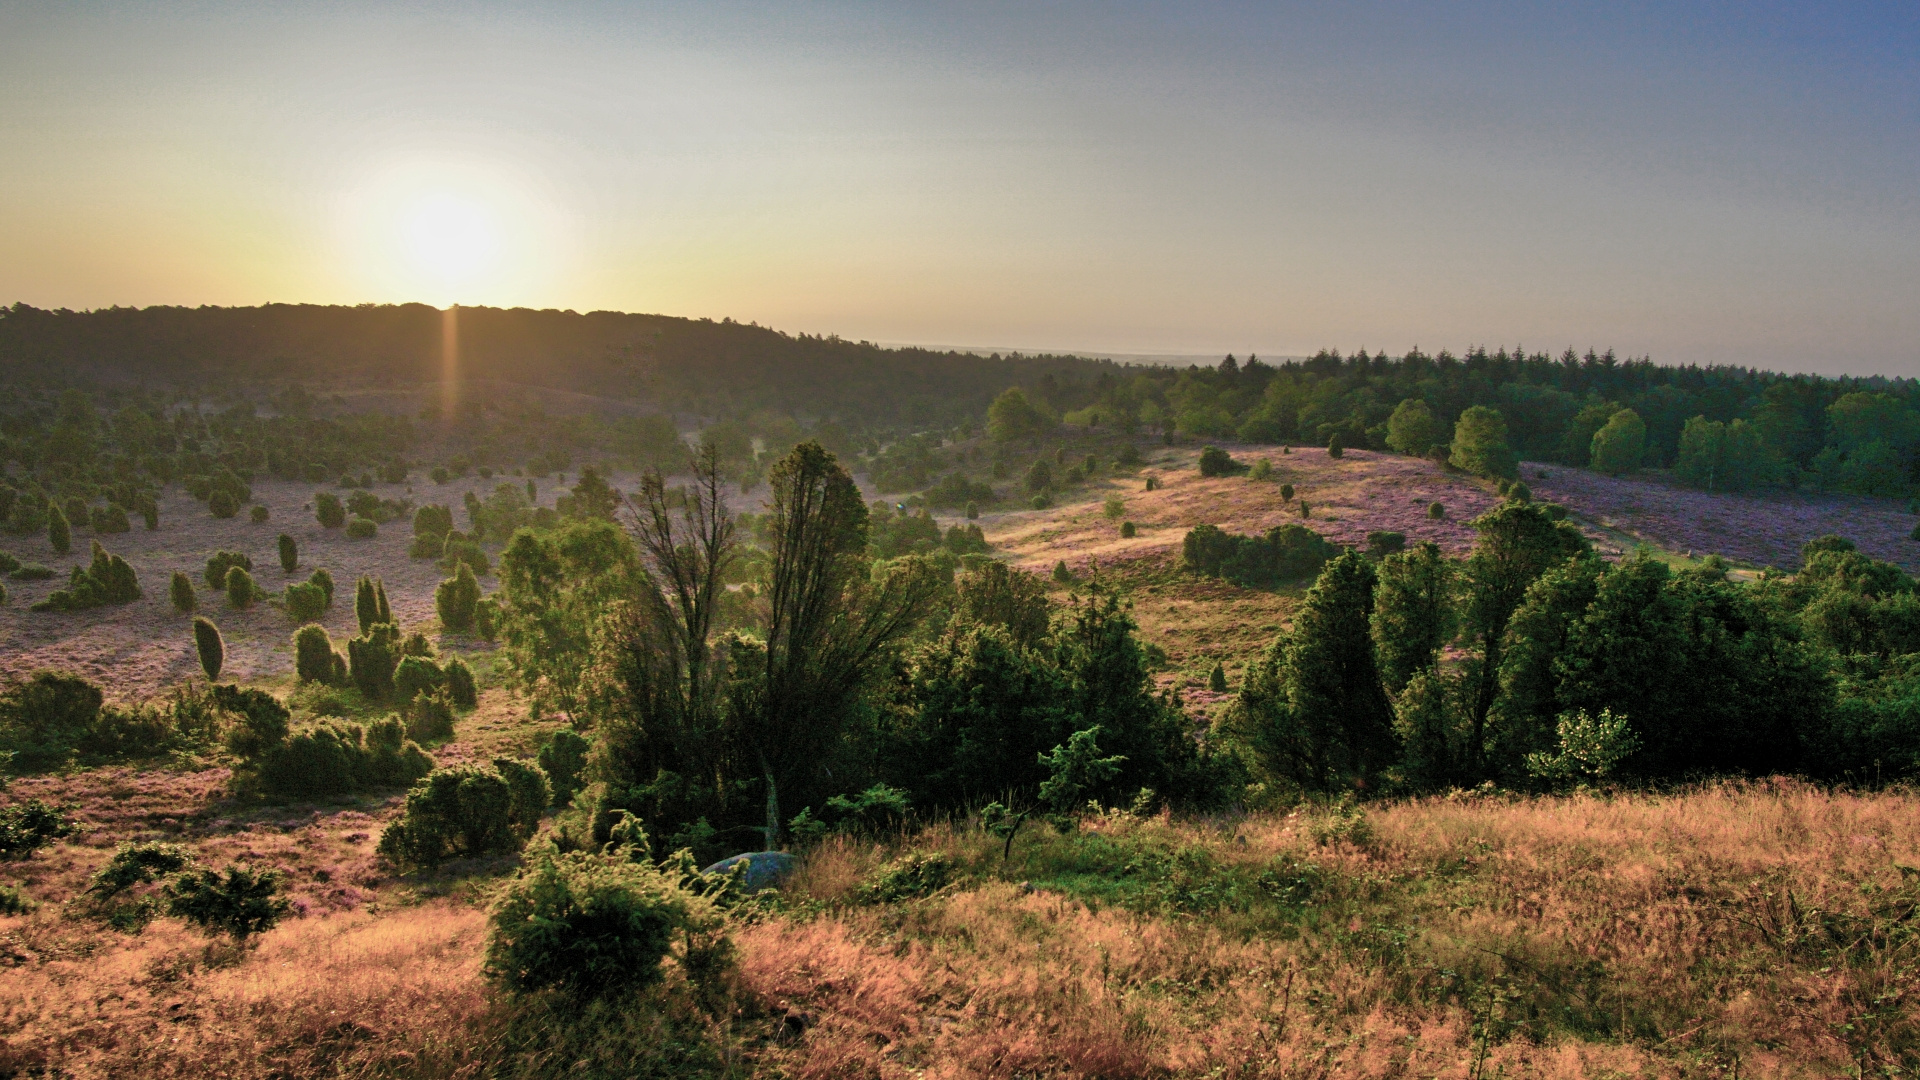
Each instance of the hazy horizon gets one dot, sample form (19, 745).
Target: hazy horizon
(1697, 184)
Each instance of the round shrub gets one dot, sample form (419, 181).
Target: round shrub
(240, 587)
(313, 653)
(1215, 462)
(180, 591)
(242, 902)
(221, 562)
(590, 925)
(212, 650)
(1127, 530)
(289, 554)
(462, 812)
(222, 505)
(416, 675)
(456, 598)
(563, 757)
(258, 515)
(306, 602)
(973, 511)
(1286, 492)
(362, 529)
(461, 688)
(430, 717)
(329, 510)
(1436, 511)
(1520, 492)
(323, 578)
(1336, 446)
(1040, 502)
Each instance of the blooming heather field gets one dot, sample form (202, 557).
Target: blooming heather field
(1764, 529)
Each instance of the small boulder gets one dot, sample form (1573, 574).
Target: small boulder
(763, 868)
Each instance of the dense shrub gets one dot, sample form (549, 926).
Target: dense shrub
(370, 603)
(110, 519)
(323, 578)
(305, 601)
(136, 864)
(461, 689)
(222, 505)
(372, 658)
(416, 675)
(592, 925)
(1128, 530)
(108, 579)
(289, 554)
(328, 510)
(1285, 553)
(312, 649)
(563, 757)
(259, 514)
(208, 645)
(1215, 462)
(241, 902)
(462, 812)
(241, 589)
(455, 599)
(362, 529)
(1382, 544)
(430, 717)
(222, 561)
(59, 531)
(26, 827)
(431, 524)
(337, 760)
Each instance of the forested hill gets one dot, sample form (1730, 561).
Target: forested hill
(701, 366)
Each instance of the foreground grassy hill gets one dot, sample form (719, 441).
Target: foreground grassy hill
(1754, 930)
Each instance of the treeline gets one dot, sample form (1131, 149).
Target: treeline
(1533, 662)
(696, 366)
(1717, 427)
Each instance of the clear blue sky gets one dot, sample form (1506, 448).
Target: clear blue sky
(1703, 183)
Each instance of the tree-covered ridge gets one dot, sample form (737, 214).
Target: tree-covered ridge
(1717, 427)
(701, 366)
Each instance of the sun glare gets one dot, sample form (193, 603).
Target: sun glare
(448, 232)
(450, 238)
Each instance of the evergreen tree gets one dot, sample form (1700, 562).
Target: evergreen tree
(1480, 444)
(289, 554)
(59, 532)
(1414, 613)
(180, 591)
(207, 643)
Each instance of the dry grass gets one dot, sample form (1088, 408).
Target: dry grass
(1760, 928)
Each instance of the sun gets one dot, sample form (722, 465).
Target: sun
(449, 239)
(449, 231)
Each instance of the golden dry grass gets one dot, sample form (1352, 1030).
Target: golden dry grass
(1763, 928)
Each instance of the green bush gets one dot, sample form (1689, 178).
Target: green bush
(31, 572)
(241, 902)
(416, 675)
(372, 658)
(180, 591)
(108, 579)
(911, 875)
(431, 524)
(370, 603)
(459, 550)
(486, 616)
(110, 519)
(241, 591)
(461, 689)
(59, 532)
(362, 529)
(430, 717)
(259, 514)
(207, 643)
(1215, 462)
(324, 579)
(289, 554)
(1285, 553)
(135, 864)
(221, 562)
(13, 901)
(1128, 530)
(563, 757)
(26, 827)
(455, 599)
(461, 812)
(1436, 510)
(330, 760)
(592, 925)
(305, 601)
(328, 509)
(312, 648)
(222, 505)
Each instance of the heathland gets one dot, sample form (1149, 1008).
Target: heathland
(1487, 715)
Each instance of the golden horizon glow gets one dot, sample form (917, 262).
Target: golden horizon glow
(448, 232)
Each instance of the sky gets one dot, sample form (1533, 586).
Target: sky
(1700, 183)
